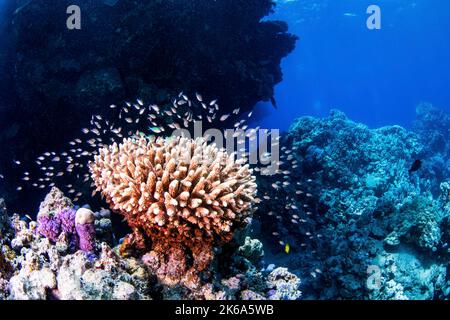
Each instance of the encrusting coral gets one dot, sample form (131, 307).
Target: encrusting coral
(182, 194)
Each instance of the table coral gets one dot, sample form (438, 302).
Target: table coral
(182, 194)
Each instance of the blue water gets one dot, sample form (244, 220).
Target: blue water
(375, 76)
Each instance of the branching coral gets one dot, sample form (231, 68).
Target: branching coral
(182, 194)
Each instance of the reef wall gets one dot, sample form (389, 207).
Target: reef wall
(366, 198)
(133, 49)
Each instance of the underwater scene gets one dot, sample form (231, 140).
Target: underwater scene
(224, 150)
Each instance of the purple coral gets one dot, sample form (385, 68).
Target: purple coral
(77, 225)
(49, 227)
(85, 228)
(67, 219)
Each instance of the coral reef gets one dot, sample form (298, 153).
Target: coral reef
(405, 276)
(352, 217)
(365, 204)
(59, 222)
(182, 194)
(284, 285)
(77, 277)
(39, 269)
(433, 129)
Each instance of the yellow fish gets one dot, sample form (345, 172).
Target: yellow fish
(287, 248)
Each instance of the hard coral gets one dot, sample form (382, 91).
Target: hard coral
(182, 194)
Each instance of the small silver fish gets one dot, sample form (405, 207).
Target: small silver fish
(155, 107)
(95, 131)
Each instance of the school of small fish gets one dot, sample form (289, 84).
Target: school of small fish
(121, 122)
(55, 168)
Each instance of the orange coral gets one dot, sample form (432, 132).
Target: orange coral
(179, 193)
